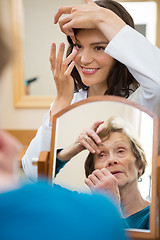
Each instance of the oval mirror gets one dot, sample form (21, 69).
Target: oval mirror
(69, 123)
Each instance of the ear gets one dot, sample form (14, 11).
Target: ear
(140, 173)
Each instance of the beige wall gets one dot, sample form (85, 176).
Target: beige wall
(12, 118)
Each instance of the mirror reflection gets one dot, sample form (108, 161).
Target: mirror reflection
(124, 146)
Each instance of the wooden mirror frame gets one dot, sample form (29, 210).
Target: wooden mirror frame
(20, 99)
(138, 233)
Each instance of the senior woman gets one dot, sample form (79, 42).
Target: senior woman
(115, 163)
(116, 169)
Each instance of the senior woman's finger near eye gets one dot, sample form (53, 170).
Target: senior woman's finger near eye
(62, 10)
(95, 126)
(87, 146)
(92, 144)
(94, 136)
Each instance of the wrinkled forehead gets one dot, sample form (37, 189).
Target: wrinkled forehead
(115, 139)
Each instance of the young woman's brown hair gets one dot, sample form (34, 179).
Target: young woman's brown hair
(120, 82)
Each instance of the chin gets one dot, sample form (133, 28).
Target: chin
(88, 81)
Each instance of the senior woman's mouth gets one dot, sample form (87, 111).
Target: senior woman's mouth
(116, 172)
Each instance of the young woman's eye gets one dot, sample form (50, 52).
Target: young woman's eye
(99, 48)
(77, 46)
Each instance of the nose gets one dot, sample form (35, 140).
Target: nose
(86, 57)
(112, 160)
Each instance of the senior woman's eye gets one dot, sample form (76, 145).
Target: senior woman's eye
(101, 155)
(121, 151)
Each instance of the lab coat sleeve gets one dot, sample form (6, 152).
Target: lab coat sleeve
(41, 142)
(143, 61)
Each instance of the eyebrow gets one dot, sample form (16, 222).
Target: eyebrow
(95, 43)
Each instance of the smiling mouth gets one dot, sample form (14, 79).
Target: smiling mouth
(89, 71)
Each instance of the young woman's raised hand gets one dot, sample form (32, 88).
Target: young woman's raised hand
(78, 16)
(88, 15)
(61, 70)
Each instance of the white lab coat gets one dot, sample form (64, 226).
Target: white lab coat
(143, 61)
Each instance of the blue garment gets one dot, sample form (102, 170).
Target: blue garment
(139, 220)
(41, 212)
(59, 164)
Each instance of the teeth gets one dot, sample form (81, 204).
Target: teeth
(89, 69)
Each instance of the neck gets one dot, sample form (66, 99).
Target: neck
(96, 90)
(134, 202)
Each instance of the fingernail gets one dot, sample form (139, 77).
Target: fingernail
(74, 51)
(62, 44)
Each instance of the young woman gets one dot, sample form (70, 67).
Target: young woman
(107, 56)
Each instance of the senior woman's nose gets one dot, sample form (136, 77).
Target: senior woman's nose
(112, 160)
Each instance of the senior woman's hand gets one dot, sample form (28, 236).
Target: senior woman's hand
(89, 139)
(102, 180)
